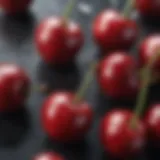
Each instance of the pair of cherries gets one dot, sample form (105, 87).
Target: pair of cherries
(121, 140)
(118, 137)
(58, 40)
(113, 31)
(63, 119)
(118, 72)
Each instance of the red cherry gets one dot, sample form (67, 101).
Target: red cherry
(48, 156)
(14, 87)
(118, 138)
(148, 7)
(114, 32)
(152, 120)
(64, 121)
(14, 6)
(148, 48)
(58, 41)
(117, 75)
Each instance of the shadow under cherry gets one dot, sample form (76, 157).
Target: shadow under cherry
(17, 29)
(71, 151)
(58, 78)
(13, 128)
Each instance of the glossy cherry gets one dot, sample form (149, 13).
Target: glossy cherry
(14, 6)
(152, 120)
(63, 120)
(148, 7)
(14, 87)
(117, 136)
(117, 75)
(57, 40)
(112, 31)
(148, 48)
(48, 156)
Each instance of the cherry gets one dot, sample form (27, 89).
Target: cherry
(112, 31)
(48, 156)
(14, 87)
(117, 75)
(148, 7)
(118, 137)
(14, 6)
(58, 40)
(149, 47)
(152, 120)
(64, 120)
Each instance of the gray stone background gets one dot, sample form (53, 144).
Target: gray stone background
(21, 135)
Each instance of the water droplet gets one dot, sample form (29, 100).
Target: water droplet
(85, 8)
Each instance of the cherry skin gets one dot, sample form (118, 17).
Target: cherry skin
(58, 41)
(118, 138)
(149, 8)
(117, 75)
(14, 87)
(15, 6)
(63, 120)
(152, 120)
(48, 156)
(148, 48)
(111, 31)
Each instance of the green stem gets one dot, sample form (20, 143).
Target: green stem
(68, 10)
(142, 97)
(128, 8)
(85, 83)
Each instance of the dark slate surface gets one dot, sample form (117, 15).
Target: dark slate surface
(21, 135)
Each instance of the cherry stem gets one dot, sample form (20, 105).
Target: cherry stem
(128, 8)
(68, 9)
(85, 83)
(142, 97)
